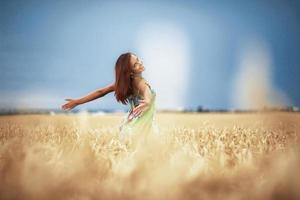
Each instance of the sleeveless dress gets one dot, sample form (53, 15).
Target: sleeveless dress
(142, 126)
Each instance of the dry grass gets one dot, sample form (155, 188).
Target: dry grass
(197, 156)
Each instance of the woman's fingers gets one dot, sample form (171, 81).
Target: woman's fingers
(67, 106)
(70, 104)
(134, 112)
(140, 108)
(130, 117)
(137, 111)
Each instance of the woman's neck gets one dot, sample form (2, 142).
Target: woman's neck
(134, 76)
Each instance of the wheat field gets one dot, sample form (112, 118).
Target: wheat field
(196, 156)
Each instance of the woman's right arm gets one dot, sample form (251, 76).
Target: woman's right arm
(92, 96)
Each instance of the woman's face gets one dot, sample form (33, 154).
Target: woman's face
(137, 66)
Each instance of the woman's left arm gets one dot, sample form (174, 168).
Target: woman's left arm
(145, 103)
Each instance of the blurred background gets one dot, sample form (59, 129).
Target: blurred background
(197, 54)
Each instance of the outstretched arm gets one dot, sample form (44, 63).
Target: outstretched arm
(96, 94)
(92, 96)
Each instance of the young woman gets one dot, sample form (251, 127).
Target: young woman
(130, 88)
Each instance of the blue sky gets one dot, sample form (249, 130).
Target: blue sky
(196, 53)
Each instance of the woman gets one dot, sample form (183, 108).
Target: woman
(130, 88)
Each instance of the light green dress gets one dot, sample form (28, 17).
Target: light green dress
(142, 126)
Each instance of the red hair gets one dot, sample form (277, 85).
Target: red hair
(123, 86)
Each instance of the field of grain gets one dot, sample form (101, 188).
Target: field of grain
(196, 156)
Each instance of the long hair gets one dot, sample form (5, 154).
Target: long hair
(123, 86)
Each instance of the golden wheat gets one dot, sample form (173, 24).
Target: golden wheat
(196, 156)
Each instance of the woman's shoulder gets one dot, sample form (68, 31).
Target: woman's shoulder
(143, 84)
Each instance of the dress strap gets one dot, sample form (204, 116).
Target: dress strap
(146, 84)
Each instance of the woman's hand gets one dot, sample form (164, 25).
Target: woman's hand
(130, 116)
(71, 104)
(142, 107)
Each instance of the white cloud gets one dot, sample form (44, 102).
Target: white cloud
(165, 50)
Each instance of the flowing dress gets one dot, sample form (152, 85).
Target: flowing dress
(142, 126)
